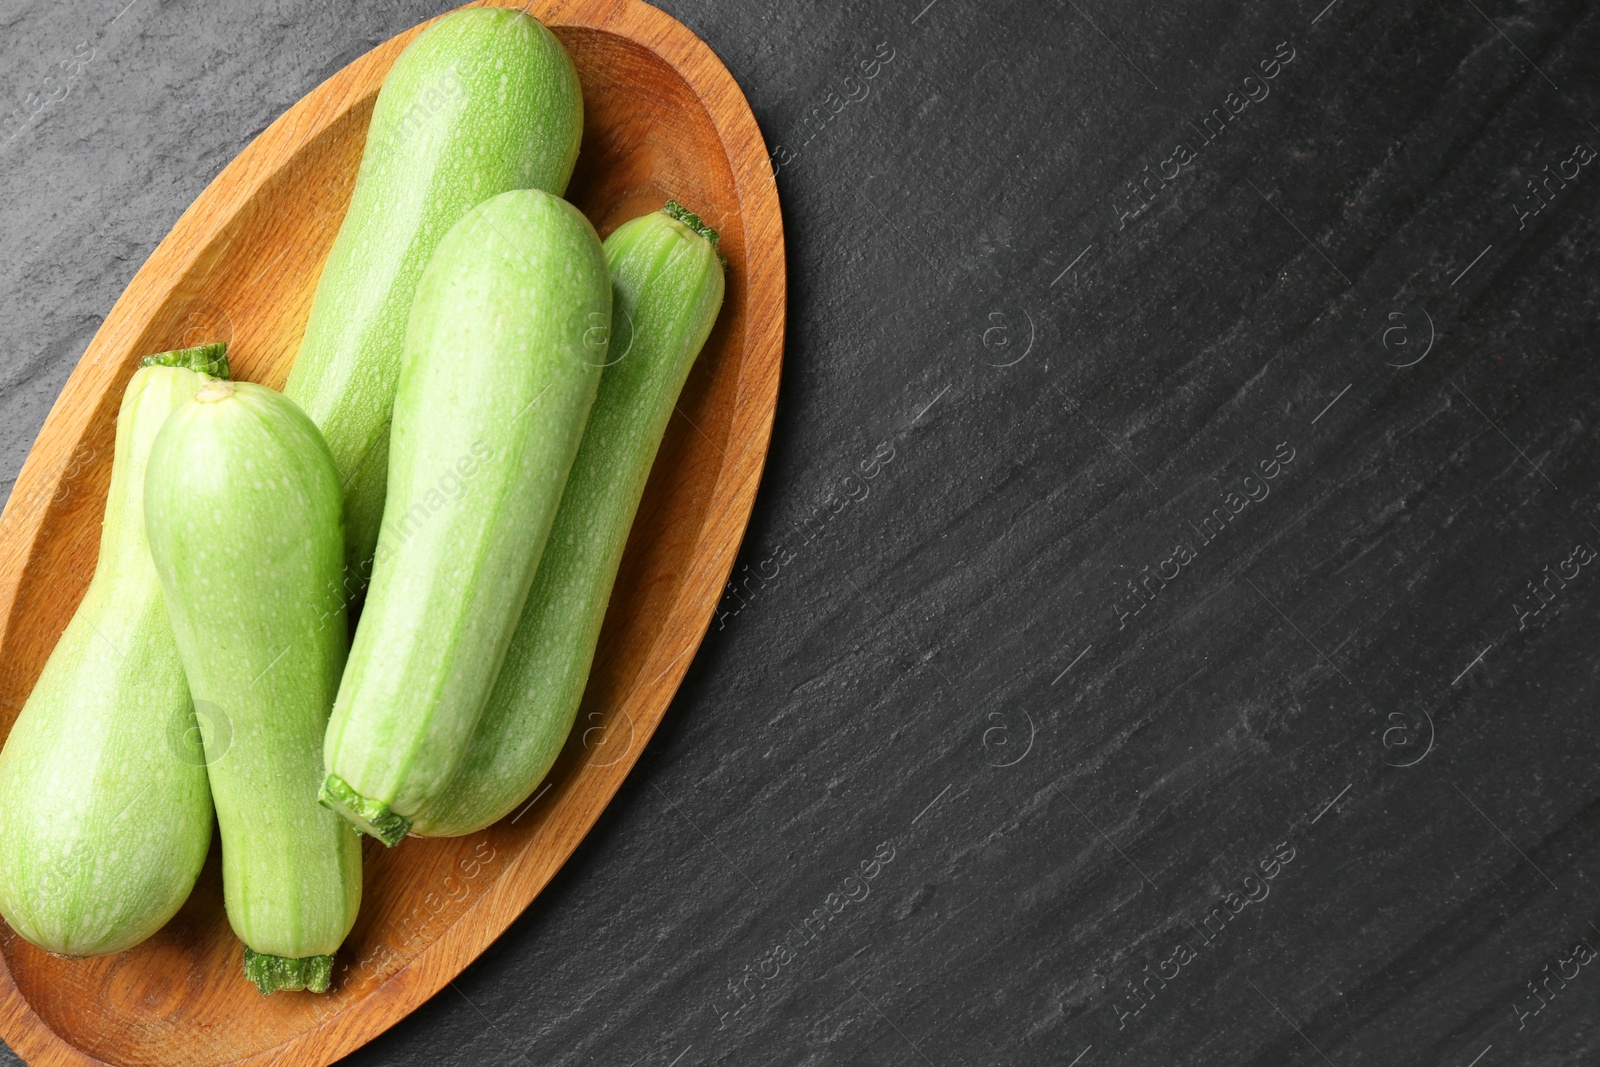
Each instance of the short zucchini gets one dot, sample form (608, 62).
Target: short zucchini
(242, 507)
(484, 100)
(667, 288)
(105, 817)
(504, 351)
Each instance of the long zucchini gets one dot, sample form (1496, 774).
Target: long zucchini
(502, 359)
(242, 507)
(667, 288)
(105, 817)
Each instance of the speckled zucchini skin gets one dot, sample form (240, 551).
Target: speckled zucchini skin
(105, 816)
(484, 100)
(667, 285)
(502, 359)
(242, 508)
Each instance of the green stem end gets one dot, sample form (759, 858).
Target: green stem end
(274, 973)
(673, 209)
(372, 817)
(209, 359)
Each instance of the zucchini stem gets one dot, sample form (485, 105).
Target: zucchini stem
(211, 359)
(372, 817)
(273, 973)
(673, 209)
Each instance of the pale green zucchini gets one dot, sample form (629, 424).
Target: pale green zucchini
(667, 288)
(105, 817)
(484, 100)
(242, 508)
(502, 358)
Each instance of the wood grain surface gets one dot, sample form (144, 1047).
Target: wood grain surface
(663, 119)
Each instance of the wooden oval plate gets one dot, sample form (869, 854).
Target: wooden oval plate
(662, 119)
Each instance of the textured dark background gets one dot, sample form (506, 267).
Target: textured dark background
(1002, 401)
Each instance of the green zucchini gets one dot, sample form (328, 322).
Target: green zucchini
(667, 285)
(484, 100)
(105, 818)
(502, 358)
(242, 507)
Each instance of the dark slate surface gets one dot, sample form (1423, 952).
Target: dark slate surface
(1324, 788)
